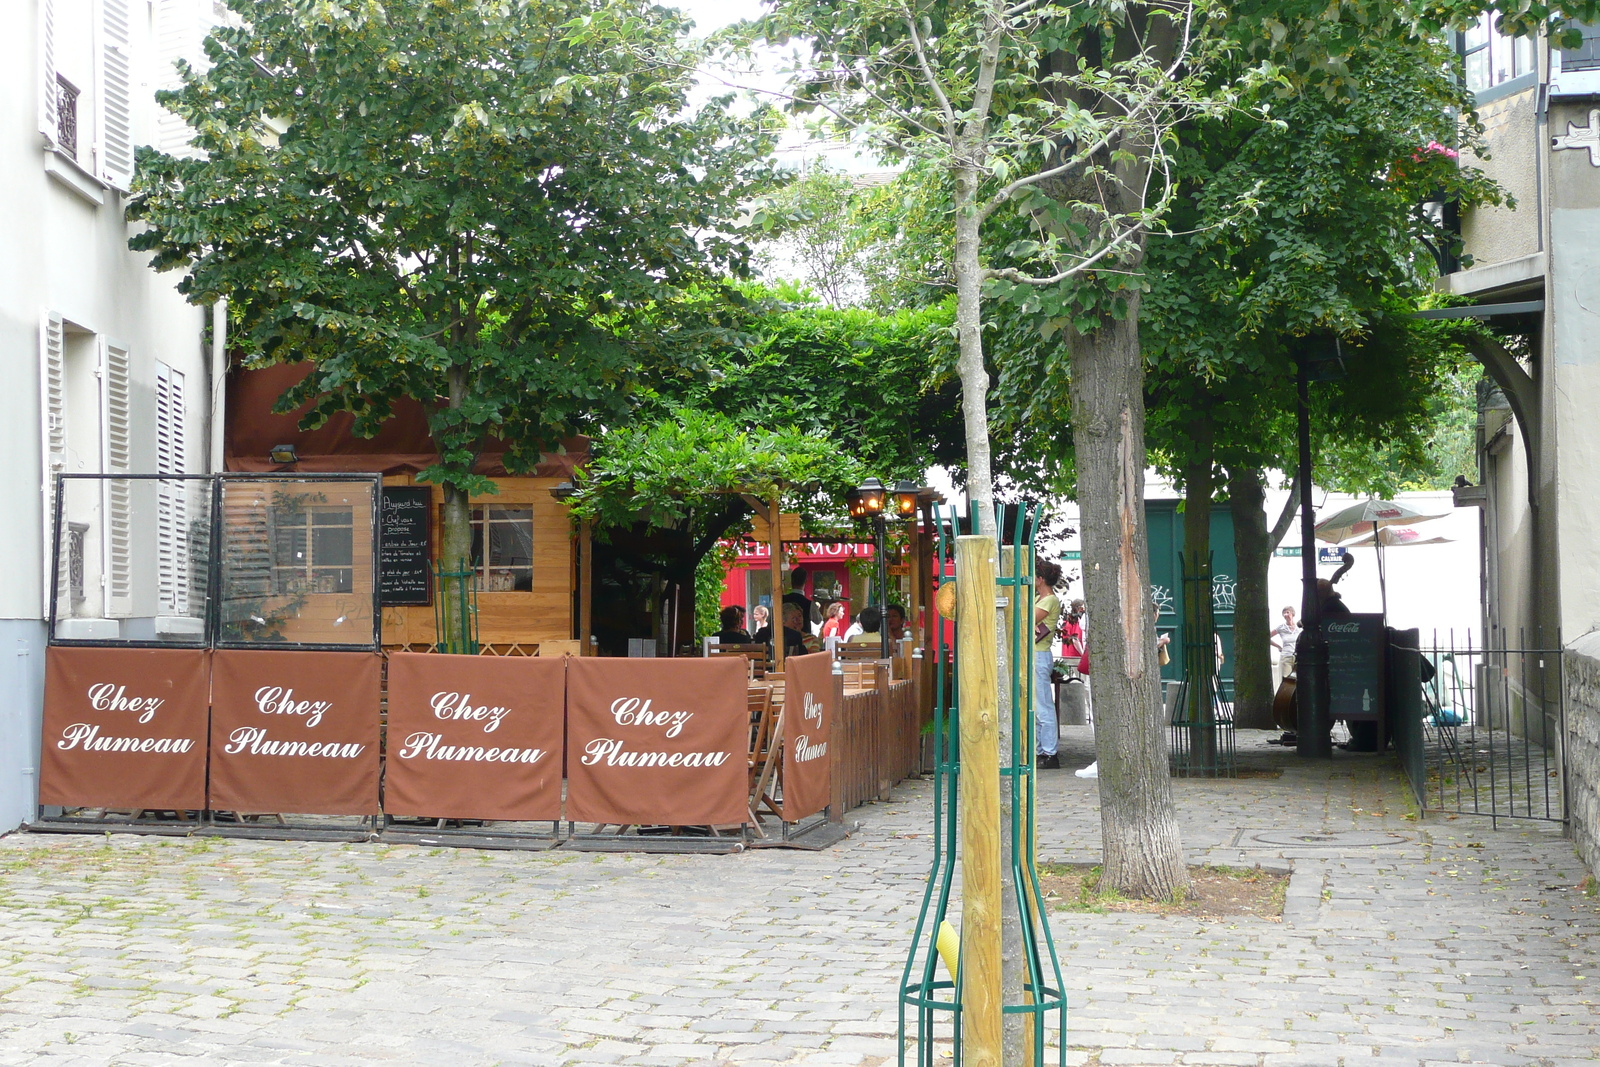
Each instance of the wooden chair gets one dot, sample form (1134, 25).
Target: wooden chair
(860, 673)
(766, 717)
(756, 654)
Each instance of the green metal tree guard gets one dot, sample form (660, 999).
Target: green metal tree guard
(460, 588)
(924, 996)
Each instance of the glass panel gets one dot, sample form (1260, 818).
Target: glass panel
(150, 580)
(508, 566)
(1477, 70)
(1524, 59)
(1477, 36)
(297, 561)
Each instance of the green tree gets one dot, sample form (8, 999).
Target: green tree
(507, 211)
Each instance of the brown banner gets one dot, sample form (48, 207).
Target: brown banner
(124, 728)
(657, 741)
(474, 737)
(808, 710)
(294, 732)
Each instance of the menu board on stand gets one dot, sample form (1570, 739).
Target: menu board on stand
(407, 546)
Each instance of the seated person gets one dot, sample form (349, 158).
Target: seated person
(796, 642)
(733, 631)
(894, 616)
(871, 620)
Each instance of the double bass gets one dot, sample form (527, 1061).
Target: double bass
(1285, 706)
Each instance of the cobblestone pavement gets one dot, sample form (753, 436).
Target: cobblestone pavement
(1452, 942)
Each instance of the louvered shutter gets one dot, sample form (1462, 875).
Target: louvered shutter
(116, 457)
(53, 426)
(47, 71)
(181, 27)
(115, 110)
(172, 518)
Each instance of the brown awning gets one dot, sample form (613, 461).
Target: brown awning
(401, 446)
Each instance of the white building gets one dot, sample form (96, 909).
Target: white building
(107, 368)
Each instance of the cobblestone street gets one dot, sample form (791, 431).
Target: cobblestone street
(1412, 943)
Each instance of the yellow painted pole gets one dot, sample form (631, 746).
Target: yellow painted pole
(981, 1002)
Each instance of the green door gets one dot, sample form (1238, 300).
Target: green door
(1164, 527)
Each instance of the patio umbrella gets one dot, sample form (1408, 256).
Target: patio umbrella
(1386, 522)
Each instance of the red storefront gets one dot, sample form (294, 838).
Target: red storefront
(827, 566)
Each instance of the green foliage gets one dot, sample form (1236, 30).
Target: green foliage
(878, 386)
(661, 472)
(710, 576)
(508, 211)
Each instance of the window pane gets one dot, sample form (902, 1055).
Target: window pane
(511, 537)
(1525, 60)
(1478, 35)
(1477, 70)
(332, 546)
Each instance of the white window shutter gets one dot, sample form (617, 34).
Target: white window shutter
(172, 517)
(53, 425)
(47, 71)
(181, 27)
(115, 110)
(116, 457)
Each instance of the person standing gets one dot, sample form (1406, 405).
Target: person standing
(836, 622)
(1283, 639)
(1046, 614)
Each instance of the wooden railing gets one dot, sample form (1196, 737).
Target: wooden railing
(877, 739)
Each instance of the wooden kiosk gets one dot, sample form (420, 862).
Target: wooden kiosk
(529, 555)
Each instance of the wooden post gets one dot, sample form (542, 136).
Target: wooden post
(836, 749)
(981, 1003)
(586, 587)
(775, 539)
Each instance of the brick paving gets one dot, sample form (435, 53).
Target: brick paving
(1411, 942)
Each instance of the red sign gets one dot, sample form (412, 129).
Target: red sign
(808, 710)
(474, 737)
(295, 732)
(124, 728)
(658, 741)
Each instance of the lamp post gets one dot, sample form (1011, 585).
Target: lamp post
(869, 502)
(1312, 724)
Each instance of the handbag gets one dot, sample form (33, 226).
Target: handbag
(1041, 631)
(1083, 663)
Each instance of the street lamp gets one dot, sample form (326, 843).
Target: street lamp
(869, 502)
(1315, 360)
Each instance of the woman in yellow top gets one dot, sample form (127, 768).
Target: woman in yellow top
(1046, 616)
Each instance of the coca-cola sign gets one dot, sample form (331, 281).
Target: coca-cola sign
(295, 731)
(124, 728)
(474, 737)
(808, 713)
(657, 741)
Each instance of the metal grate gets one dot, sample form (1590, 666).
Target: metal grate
(67, 116)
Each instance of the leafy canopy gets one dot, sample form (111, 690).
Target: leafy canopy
(505, 209)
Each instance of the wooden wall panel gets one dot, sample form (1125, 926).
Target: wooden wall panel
(505, 618)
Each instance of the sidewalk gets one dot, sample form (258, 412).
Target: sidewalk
(1411, 943)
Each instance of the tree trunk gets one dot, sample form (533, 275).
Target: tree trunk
(1252, 614)
(455, 547)
(1138, 825)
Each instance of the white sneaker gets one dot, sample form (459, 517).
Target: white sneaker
(1091, 771)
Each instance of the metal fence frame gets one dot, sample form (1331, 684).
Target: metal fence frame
(212, 629)
(1486, 739)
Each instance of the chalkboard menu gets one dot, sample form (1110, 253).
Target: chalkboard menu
(1355, 667)
(407, 556)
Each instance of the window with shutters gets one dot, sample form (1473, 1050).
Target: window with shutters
(53, 423)
(86, 85)
(172, 518)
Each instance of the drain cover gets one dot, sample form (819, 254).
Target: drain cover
(1322, 839)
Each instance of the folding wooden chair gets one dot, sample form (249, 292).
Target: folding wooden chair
(756, 654)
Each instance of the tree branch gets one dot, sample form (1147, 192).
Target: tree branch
(1286, 516)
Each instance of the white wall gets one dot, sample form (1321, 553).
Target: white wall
(64, 254)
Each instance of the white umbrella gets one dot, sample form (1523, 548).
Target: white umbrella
(1368, 516)
(1392, 536)
(1385, 521)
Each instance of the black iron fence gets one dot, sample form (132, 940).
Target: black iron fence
(1479, 729)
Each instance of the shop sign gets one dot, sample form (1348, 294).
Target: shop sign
(812, 551)
(124, 728)
(295, 731)
(474, 737)
(808, 711)
(658, 741)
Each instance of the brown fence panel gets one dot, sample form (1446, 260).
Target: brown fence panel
(657, 741)
(474, 737)
(125, 728)
(295, 732)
